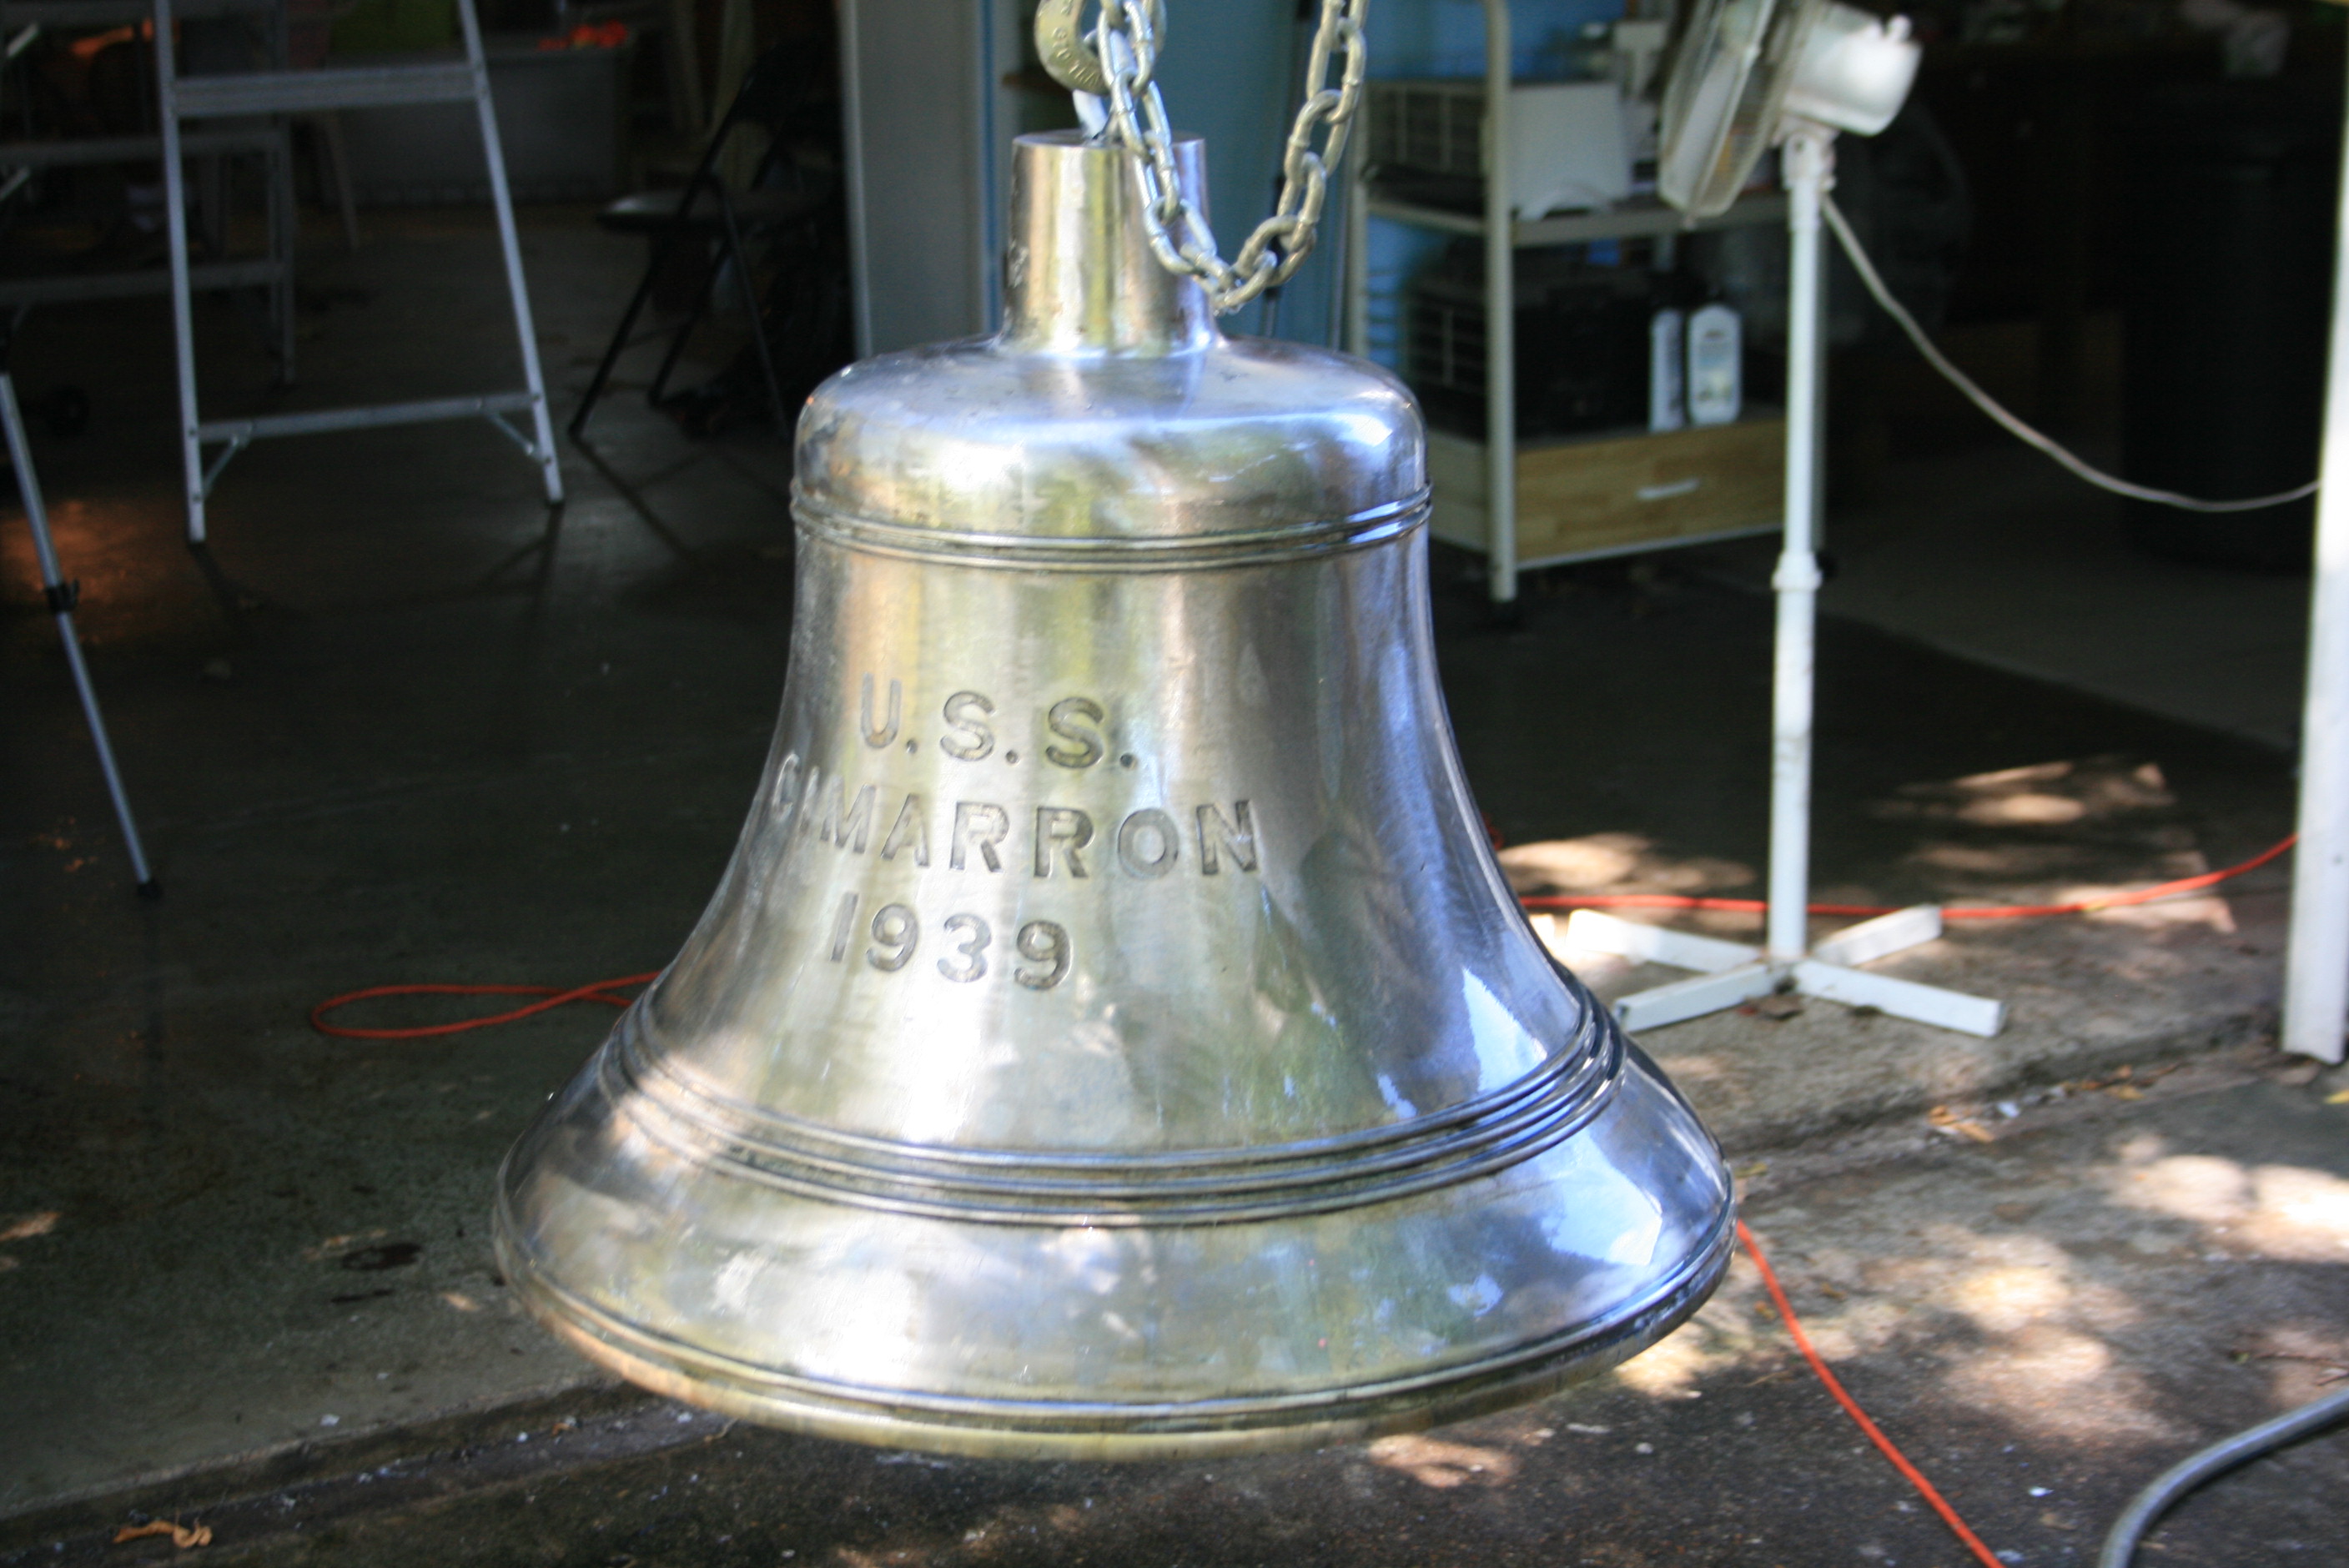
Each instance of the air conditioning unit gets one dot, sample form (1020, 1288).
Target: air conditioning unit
(1566, 143)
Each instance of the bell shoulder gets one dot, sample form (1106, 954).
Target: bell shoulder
(1243, 435)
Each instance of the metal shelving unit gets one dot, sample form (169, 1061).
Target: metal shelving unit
(1664, 474)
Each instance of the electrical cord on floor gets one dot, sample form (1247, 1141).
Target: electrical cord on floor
(1890, 1450)
(2224, 1455)
(601, 991)
(2120, 1545)
(1991, 407)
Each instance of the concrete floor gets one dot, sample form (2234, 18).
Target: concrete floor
(399, 724)
(2043, 1323)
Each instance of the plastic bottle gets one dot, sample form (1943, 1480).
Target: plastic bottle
(1715, 367)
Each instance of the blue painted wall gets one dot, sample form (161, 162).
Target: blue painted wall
(1231, 72)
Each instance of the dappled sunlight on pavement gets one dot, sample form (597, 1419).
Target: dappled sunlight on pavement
(2041, 1322)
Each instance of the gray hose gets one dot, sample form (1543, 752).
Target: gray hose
(2223, 1455)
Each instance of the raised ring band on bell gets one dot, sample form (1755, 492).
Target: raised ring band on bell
(1188, 1187)
(1097, 552)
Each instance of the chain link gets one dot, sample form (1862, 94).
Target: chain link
(1125, 45)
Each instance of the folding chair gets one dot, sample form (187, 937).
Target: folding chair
(773, 92)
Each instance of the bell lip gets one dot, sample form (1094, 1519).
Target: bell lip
(1043, 1430)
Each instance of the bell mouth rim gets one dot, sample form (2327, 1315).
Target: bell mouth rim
(985, 1427)
(1163, 1189)
(1111, 553)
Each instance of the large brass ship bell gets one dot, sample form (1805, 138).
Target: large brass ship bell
(1113, 1036)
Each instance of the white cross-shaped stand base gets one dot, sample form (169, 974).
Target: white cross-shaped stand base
(1731, 973)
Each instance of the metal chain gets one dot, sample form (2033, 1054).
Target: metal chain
(1126, 52)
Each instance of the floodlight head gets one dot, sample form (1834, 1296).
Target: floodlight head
(1747, 67)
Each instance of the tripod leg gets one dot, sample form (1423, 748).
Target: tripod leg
(61, 595)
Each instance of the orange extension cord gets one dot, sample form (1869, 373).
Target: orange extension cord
(604, 991)
(601, 991)
(1834, 1385)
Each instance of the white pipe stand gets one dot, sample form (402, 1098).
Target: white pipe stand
(1730, 973)
(2316, 965)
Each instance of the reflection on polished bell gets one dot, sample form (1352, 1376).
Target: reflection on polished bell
(1113, 1036)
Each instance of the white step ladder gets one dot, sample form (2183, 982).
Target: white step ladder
(254, 93)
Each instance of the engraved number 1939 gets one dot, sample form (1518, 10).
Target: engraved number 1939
(896, 931)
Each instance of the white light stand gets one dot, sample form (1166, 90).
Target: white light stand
(62, 594)
(1730, 973)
